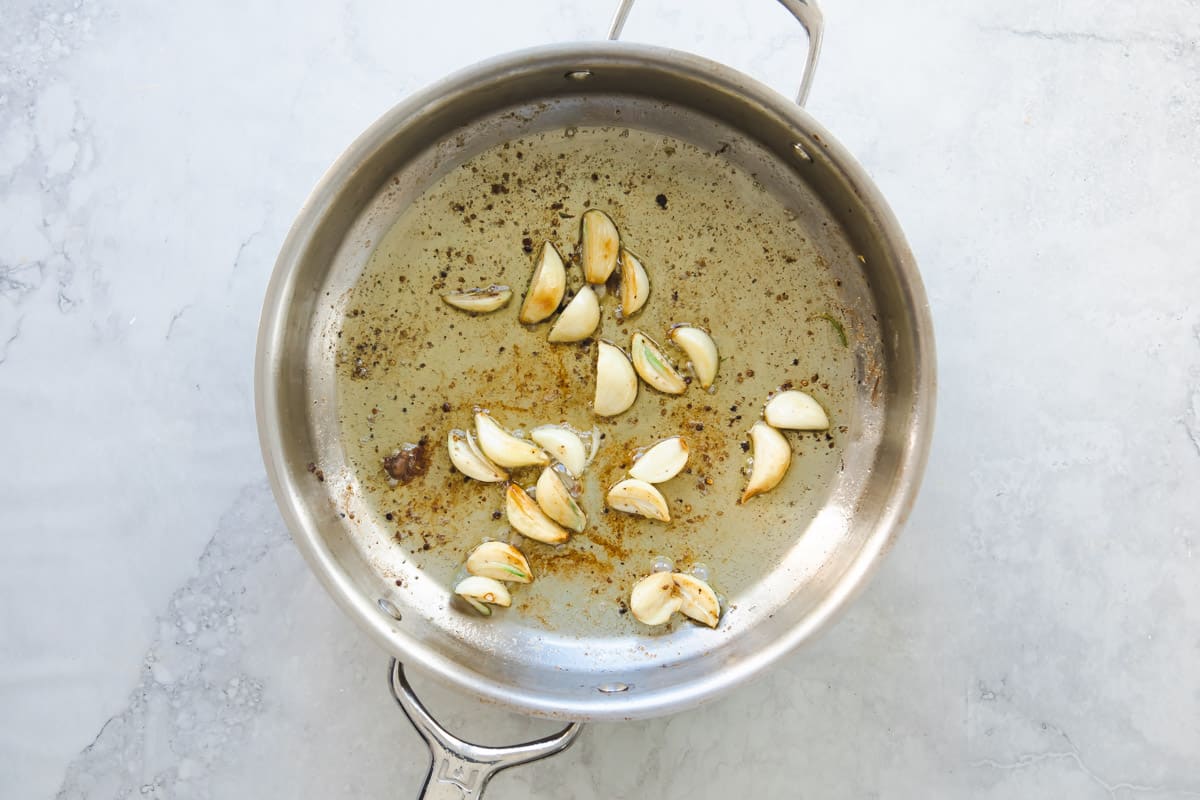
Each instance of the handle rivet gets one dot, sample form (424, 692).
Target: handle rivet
(800, 151)
(388, 607)
(612, 688)
(579, 75)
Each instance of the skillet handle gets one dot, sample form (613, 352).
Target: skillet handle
(460, 770)
(806, 12)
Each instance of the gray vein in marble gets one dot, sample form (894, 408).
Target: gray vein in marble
(1072, 754)
(13, 336)
(14, 287)
(1191, 420)
(193, 704)
(1084, 37)
(1032, 759)
(175, 318)
(246, 242)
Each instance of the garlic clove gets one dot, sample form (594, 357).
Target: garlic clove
(772, 455)
(654, 367)
(661, 462)
(701, 351)
(699, 600)
(579, 319)
(564, 445)
(483, 593)
(481, 301)
(635, 284)
(616, 382)
(556, 501)
(795, 410)
(525, 515)
(467, 458)
(505, 449)
(499, 561)
(655, 598)
(600, 242)
(638, 497)
(546, 287)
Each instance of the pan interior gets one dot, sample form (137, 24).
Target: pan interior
(734, 239)
(723, 253)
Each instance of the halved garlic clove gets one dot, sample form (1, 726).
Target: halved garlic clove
(562, 443)
(483, 593)
(524, 515)
(638, 497)
(616, 382)
(499, 561)
(701, 352)
(505, 449)
(546, 287)
(556, 501)
(772, 455)
(479, 300)
(661, 462)
(635, 284)
(467, 458)
(600, 242)
(699, 600)
(654, 367)
(795, 410)
(655, 598)
(579, 319)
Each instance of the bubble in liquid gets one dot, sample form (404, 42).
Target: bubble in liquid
(663, 564)
(700, 570)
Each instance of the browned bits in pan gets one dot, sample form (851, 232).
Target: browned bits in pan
(409, 462)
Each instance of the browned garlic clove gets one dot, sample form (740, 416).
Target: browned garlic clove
(635, 284)
(556, 501)
(529, 519)
(468, 459)
(654, 367)
(638, 497)
(562, 443)
(546, 287)
(655, 598)
(699, 600)
(480, 301)
(505, 449)
(499, 561)
(483, 593)
(600, 242)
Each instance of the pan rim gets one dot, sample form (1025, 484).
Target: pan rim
(393, 639)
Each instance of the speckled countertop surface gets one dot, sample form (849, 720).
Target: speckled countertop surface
(1035, 633)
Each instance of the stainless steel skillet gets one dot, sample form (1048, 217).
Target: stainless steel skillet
(831, 250)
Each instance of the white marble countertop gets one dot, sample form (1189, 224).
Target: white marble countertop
(1035, 633)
